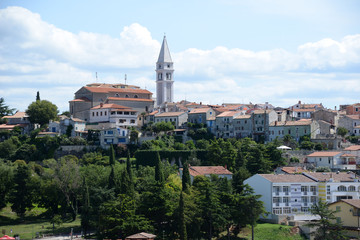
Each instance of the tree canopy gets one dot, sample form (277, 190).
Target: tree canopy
(41, 112)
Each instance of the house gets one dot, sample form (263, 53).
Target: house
(94, 94)
(351, 123)
(119, 115)
(354, 150)
(76, 125)
(285, 194)
(243, 126)
(177, 118)
(261, 120)
(347, 212)
(295, 129)
(332, 160)
(141, 236)
(201, 115)
(224, 124)
(336, 186)
(113, 135)
(207, 171)
(353, 109)
(290, 170)
(303, 111)
(19, 119)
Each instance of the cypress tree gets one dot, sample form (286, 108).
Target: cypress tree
(112, 156)
(85, 213)
(111, 178)
(186, 181)
(159, 172)
(128, 166)
(37, 96)
(182, 232)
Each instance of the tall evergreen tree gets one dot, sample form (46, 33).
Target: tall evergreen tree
(182, 230)
(186, 180)
(37, 96)
(159, 170)
(128, 166)
(111, 183)
(85, 213)
(21, 198)
(112, 155)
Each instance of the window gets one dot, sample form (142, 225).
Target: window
(289, 131)
(100, 113)
(105, 113)
(338, 220)
(168, 65)
(277, 211)
(93, 114)
(286, 210)
(97, 113)
(160, 76)
(342, 188)
(159, 66)
(351, 189)
(304, 209)
(338, 208)
(313, 189)
(304, 199)
(313, 199)
(136, 96)
(304, 189)
(127, 96)
(132, 121)
(122, 120)
(276, 199)
(286, 190)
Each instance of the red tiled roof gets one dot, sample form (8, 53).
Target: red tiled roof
(280, 178)
(11, 127)
(207, 170)
(153, 113)
(243, 117)
(354, 117)
(130, 99)
(353, 148)
(323, 154)
(115, 90)
(304, 110)
(347, 155)
(77, 120)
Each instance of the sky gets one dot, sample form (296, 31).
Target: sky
(224, 51)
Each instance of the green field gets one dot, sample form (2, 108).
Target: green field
(267, 231)
(34, 224)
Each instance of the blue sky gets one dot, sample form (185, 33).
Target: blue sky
(255, 51)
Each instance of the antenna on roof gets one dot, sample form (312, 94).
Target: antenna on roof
(125, 79)
(96, 76)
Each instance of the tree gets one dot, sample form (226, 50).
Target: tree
(186, 180)
(326, 228)
(112, 156)
(4, 109)
(6, 182)
(159, 170)
(307, 145)
(42, 112)
(37, 96)
(182, 226)
(69, 130)
(342, 131)
(134, 136)
(21, 197)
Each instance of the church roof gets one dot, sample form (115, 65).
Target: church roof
(164, 55)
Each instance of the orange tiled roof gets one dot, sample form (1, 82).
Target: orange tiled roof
(17, 115)
(348, 155)
(227, 114)
(153, 113)
(293, 169)
(82, 99)
(111, 105)
(199, 110)
(352, 202)
(353, 148)
(323, 154)
(207, 170)
(247, 116)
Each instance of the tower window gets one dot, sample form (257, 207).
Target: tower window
(159, 66)
(160, 76)
(136, 96)
(168, 65)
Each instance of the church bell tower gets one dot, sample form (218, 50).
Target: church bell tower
(164, 76)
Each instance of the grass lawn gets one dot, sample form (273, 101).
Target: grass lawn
(267, 231)
(34, 223)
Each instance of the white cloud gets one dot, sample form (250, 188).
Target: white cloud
(38, 56)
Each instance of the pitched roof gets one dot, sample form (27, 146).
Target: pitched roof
(354, 117)
(353, 148)
(247, 116)
(352, 202)
(111, 106)
(302, 122)
(348, 155)
(170, 114)
(199, 110)
(153, 113)
(323, 154)
(227, 114)
(164, 55)
(337, 177)
(291, 170)
(279, 178)
(262, 111)
(207, 170)
(82, 99)
(77, 120)
(17, 115)
(130, 99)
(304, 110)
(116, 90)
(142, 235)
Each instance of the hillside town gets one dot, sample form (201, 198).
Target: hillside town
(319, 147)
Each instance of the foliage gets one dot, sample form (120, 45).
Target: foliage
(323, 169)
(326, 228)
(294, 160)
(6, 182)
(69, 130)
(186, 180)
(342, 131)
(42, 112)
(307, 145)
(4, 109)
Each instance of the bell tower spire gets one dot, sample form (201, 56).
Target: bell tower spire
(164, 75)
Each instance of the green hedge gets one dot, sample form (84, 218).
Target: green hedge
(148, 157)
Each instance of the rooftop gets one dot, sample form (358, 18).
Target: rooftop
(323, 154)
(207, 170)
(170, 114)
(336, 177)
(280, 178)
(353, 148)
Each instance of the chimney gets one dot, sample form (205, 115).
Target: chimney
(200, 103)
(275, 123)
(101, 105)
(299, 102)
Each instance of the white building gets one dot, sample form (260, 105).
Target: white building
(164, 76)
(333, 160)
(177, 118)
(292, 195)
(114, 135)
(119, 115)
